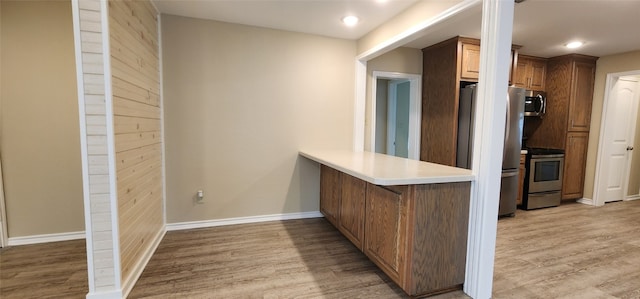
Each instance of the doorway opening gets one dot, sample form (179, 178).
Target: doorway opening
(396, 114)
(618, 159)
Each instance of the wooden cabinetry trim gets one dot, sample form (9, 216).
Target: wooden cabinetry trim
(444, 209)
(575, 160)
(386, 222)
(530, 73)
(416, 234)
(442, 74)
(352, 209)
(330, 192)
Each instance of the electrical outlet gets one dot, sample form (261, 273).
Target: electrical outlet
(199, 196)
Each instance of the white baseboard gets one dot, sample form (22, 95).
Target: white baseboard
(38, 239)
(105, 295)
(241, 220)
(138, 268)
(586, 201)
(633, 197)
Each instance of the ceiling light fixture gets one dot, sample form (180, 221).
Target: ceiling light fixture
(350, 20)
(573, 45)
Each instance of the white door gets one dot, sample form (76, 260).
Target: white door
(619, 129)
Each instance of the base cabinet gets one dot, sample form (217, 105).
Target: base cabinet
(416, 234)
(575, 159)
(384, 224)
(352, 211)
(330, 193)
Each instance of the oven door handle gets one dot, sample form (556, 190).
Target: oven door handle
(547, 157)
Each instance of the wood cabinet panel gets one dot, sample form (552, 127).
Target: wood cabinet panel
(575, 158)
(581, 96)
(352, 209)
(530, 73)
(439, 124)
(569, 85)
(538, 74)
(445, 65)
(330, 193)
(385, 223)
(416, 234)
(470, 65)
(444, 210)
(520, 78)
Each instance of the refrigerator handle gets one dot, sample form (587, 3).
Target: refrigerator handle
(507, 120)
(509, 174)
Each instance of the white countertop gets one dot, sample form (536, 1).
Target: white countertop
(388, 170)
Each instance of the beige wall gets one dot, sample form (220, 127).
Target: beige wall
(40, 145)
(240, 102)
(605, 65)
(401, 60)
(412, 16)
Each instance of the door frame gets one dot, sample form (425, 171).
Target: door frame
(392, 100)
(612, 78)
(415, 108)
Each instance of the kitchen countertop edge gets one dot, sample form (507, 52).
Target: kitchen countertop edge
(401, 171)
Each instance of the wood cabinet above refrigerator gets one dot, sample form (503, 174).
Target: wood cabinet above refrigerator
(446, 66)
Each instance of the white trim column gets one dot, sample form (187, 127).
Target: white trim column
(497, 26)
(91, 35)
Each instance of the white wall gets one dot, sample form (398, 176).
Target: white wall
(240, 102)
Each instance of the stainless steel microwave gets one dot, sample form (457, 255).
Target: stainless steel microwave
(535, 103)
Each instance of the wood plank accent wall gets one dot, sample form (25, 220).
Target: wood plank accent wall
(103, 268)
(135, 65)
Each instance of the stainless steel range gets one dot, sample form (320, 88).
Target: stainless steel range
(543, 179)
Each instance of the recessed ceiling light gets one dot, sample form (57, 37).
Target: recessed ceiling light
(350, 20)
(573, 45)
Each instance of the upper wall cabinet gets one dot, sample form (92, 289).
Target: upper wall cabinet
(470, 64)
(530, 73)
(583, 79)
(569, 85)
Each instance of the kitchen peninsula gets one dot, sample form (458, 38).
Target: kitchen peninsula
(409, 217)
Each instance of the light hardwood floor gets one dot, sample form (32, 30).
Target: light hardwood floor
(572, 251)
(51, 270)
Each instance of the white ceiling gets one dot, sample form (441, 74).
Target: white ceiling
(322, 17)
(542, 27)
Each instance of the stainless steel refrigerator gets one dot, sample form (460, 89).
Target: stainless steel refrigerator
(512, 144)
